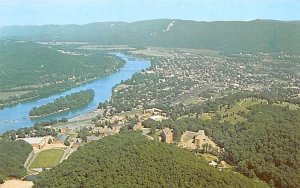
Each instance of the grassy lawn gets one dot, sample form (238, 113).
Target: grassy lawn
(191, 101)
(206, 116)
(232, 112)
(286, 104)
(47, 158)
(132, 113)
(209, 157)
(239, 107)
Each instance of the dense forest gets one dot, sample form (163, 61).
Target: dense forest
(265, 146)
(13, 155)
(257, 35)
(48, 70)
(131, 160)
(67, 102)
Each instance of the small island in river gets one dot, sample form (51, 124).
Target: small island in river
(65, 103)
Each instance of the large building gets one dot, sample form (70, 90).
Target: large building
(201, 138)
(36, 142)
(167, 135)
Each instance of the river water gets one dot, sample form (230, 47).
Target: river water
(16, 116)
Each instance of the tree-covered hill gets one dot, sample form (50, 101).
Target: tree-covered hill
(33, 70)
(257, 35)
(266, 145)
(28, 63)
(131, 160)
(13, 155)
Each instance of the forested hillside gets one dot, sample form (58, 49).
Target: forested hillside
(264, 146)
(131, 160)
(13, 155)
(31, 70)
(268, 145)
(28, 63)
(257, 35)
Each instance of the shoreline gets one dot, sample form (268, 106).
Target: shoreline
(33, 117)
(86, 116)
(12, 103)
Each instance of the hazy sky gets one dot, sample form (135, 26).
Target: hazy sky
(40, 12)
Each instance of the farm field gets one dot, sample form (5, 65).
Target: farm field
(47, 158)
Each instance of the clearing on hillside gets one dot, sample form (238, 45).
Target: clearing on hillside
(47, 158)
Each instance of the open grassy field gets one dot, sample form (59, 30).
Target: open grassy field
(209, 157)
(191, 101)
(289, 105)
(47, 158)
(132, 113)
(231, 114)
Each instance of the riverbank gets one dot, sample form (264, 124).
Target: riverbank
(16, 116)
(86, 116)
(67, 87)
(64, 103)
(44, 115)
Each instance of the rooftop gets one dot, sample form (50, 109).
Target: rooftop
(33, 140)
(167, 131)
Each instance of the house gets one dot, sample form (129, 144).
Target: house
(117, 127)
(167, 135)
(201, 138)
(97, 130)
(60, 139)
(213, 163)
(138, 126)
(153, 111)
(35, 142)
(91, 138)
(157, 118)
(64, 130)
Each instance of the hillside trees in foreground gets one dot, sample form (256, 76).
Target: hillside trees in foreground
(131, 160)
(13, 155)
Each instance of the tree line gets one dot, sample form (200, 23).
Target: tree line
(13, 155)
(131, 160)
(64, 103)
(264, 146)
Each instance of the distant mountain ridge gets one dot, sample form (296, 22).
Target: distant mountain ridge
(227, 36)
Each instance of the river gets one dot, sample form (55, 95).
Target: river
(14, 117)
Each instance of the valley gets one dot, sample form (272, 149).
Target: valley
(203, 111)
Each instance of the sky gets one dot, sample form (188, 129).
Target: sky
(42, 12)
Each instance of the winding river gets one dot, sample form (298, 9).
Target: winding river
(16, 116)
